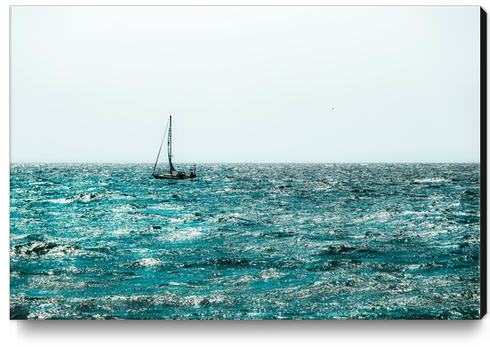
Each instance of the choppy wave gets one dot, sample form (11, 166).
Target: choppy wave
(245, 241)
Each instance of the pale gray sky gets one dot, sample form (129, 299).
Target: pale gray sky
(246, 84)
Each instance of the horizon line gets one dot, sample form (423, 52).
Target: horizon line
(250, 162)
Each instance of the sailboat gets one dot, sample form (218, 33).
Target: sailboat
(173, 174)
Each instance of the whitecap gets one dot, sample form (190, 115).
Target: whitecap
(432, 180)
(149, 262)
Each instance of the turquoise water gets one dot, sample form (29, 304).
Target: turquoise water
(245, 241)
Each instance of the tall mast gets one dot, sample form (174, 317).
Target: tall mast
(169, 146)
(169, 141)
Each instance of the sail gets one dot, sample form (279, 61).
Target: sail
(169, 147)
(161, 145)
(172, 169)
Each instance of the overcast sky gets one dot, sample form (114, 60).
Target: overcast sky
(246, 84)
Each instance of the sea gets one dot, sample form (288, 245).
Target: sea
(245, 242)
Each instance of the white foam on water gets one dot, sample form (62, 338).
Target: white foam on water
(182, 234)
(149, 262)
(432, 180)
(62, 201)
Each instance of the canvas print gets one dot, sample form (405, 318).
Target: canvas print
(250, 163)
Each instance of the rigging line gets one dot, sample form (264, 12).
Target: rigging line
(164, 134)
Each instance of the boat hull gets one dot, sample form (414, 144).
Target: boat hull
(172, 177)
